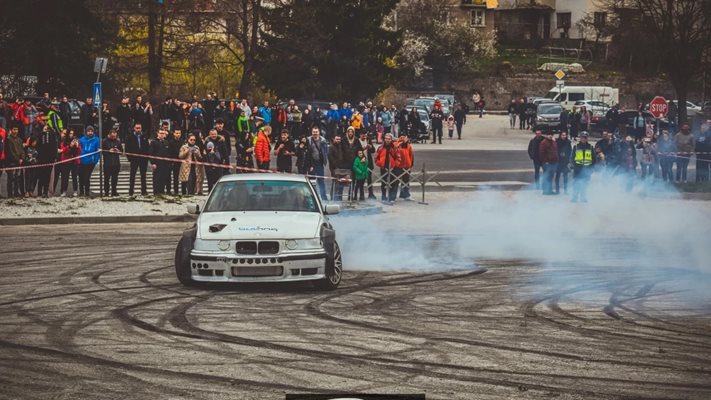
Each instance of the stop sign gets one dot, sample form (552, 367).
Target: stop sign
(658, 107)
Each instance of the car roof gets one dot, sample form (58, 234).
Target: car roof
(263, 176)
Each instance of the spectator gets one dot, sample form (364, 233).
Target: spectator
(360, 174)
(404, 123)
(196, 118)
(649, 158)
(407, 160)
(638, 125)
(612, 116)
(137, 143)
(585, 119)
(437, 117)
(522, 117)
(189, 171)
(396, 119)
(266, 112)
(245, 151)
(15, 157)
(564, 121)
(175, 142)
(512, 110)
(548, 155)
(69, 148)
(220, 145)
(30, 173)
(564, 151)
(574, 122)
(107, 119)
(336, 163)
(47, 147)
(684, 143)
(534, 155)
(112, 148)
(333, 118)
(123, 116)
(583, 163)
(3, 137)
(89, 144)
(365, 144)
(450, 126)
(160, 148)
(164, 111)
(703, 150)
(284, 151)
(213, 172)
(89, 114)
(665, 147)
(262, 147)
(65, 111)
(301, 152)
(387, 158)
(30, 114)
(386, 118)
(54, 120)
(460, 118)
(242, 124)
(317, 159)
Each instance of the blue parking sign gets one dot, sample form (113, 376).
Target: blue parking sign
(97, 93)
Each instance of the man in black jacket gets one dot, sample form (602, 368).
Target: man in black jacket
(112, 149)
(175, 142)
(534, 155)
(123, 116)
(160, 148)
(437, 116)
(137, 143)
(47, 146)
(460, 118)
(227, 136)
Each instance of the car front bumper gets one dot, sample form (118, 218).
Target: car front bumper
(230, 267)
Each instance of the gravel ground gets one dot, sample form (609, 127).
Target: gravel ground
(79, 206)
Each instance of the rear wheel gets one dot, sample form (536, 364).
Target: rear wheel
(334, 271)
(182, 261)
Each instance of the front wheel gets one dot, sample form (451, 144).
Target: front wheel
(182, 261)
(334, 271)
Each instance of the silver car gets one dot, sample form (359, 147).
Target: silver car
(548, 116)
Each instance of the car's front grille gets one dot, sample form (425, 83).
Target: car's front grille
(268, 247)
(246, 247)
(271, 270)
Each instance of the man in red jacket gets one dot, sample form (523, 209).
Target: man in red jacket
(548, 153)
(262, 147)
(387, 158)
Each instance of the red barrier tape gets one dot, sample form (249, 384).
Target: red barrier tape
(234, 168)
(50, 164)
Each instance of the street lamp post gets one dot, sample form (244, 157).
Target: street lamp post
(100, 67)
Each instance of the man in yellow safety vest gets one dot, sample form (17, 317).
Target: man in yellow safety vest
(583, 159)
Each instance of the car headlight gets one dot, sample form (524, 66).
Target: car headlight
(210, 245)
(304, 244)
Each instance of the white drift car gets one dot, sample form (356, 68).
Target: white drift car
(261, 228)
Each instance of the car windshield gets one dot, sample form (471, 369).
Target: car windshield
(549, 109)
(423, 102)
(551, 95)
(423, 115)
(261, 196)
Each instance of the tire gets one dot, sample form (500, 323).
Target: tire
(182, 262)
(334, 272)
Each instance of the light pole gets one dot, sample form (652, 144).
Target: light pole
(99, 67)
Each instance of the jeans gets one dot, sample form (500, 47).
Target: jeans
(537, 173)
(405, 190)
(15, 182)
(666, 162)
(437, 133)
(65, 170)
(389, 183)
(85, 171)
(111, 173)
(549, 170)
(561, 171)
(318, 170)
(581, 179)
(682, 164)
(647, 170)
(512, 120)
(135, 166)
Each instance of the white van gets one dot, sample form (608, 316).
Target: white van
(568, 95)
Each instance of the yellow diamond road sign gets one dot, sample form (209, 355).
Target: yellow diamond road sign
(560, 74)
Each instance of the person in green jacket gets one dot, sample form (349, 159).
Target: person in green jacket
(242, 124)
(360, 174)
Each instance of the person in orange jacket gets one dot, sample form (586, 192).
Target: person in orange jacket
(407, 160)
(262, 147)
(387, 158)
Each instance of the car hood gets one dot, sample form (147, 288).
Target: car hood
(550, 115)
(259, 225)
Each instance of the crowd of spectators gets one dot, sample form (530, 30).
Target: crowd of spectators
(200, 140)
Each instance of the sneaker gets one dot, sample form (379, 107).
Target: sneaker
(63, 194)
(74, 194)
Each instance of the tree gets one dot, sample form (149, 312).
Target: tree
(331, 49)
(453, 47)
(681, 29)
(53, 40)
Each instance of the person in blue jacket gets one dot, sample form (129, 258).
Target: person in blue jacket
(90, 143)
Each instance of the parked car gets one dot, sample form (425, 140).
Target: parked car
(261, 228)
(628, 118)
(424, 102)
(548, 117)
(448, 97)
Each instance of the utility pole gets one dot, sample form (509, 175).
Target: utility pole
(100, 67)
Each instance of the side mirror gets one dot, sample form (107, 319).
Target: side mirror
(193, 209)
(331, 209)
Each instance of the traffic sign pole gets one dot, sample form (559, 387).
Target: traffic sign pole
(99, 67)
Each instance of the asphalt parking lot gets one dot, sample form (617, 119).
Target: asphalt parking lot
(101, 316)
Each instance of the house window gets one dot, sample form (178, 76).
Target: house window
(563, 20)
(477, 18)
(600, 18)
